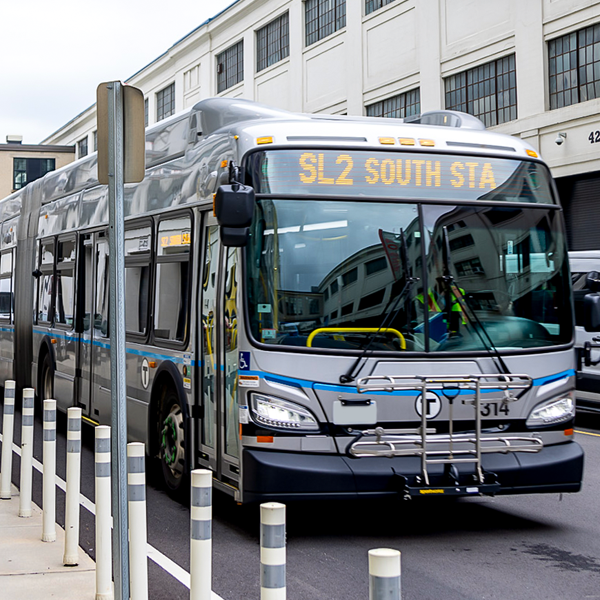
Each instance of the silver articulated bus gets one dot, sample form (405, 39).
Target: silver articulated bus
(316, 306)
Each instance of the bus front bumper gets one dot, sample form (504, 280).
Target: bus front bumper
(286, 476)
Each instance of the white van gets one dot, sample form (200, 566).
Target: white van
(585, 276)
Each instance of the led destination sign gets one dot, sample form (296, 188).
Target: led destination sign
(394, 174)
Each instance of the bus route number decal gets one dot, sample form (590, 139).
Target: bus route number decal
(418, 172)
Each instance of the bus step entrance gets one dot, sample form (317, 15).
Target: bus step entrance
(448, 449)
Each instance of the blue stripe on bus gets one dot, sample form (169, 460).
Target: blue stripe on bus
(134, 351)
(302, 383)
(8, 329)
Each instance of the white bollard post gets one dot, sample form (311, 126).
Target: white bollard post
(136, 496)
(26, 453)
(49, 479)
(272, 551)
(104, 584)
(71, 555)
(201, 535)
(8, 425)
(384, 574)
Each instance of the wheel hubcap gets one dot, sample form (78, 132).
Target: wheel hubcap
(172, 441)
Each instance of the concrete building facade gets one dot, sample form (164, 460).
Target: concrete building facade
(21, 164)
(527, 68)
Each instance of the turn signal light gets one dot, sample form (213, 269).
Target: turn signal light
(264, 439)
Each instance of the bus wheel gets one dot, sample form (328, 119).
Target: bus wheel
(172, 443)
(47, 379)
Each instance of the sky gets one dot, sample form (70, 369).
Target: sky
(55, 54)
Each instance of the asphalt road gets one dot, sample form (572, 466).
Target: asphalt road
(509, 548)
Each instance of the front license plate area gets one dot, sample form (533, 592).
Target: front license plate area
(350, 413)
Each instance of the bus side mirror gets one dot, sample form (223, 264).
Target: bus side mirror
(234, 207)
(591, 312)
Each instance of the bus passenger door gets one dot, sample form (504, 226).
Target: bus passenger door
(228, 398)
(209, 365)
(94, 345)
(85, 306)
(100, 384)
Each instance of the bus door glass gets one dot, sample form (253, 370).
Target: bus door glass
(85, 305)
(231, 442)
(207, 320)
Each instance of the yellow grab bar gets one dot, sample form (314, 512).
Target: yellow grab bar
(357, 330)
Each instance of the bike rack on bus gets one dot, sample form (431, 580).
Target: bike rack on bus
(447, 449)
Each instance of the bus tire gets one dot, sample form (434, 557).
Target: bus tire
(46, 380)
(171, 443)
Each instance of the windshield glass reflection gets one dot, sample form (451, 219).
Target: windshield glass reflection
(333, 274)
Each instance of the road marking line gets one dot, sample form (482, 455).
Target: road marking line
(587, 433)
(163, 561)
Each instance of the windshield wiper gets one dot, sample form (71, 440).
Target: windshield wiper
(350, 375)
(452, 289)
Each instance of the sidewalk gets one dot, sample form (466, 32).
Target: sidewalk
(30, 568)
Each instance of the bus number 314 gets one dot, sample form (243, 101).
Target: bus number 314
(493, 409)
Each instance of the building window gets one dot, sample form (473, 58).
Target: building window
(26, 170)
(489, 91)
(82, 147)
(574, 67)
(273, 42)
(373, 5)
(402, 105)
(322, 18)
(230, 66)
(165, 102)
(95, 140)
(145, 112)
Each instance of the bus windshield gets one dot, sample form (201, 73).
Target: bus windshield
(421, 277)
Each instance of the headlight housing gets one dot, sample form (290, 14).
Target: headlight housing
(281, 414)
(550, 412)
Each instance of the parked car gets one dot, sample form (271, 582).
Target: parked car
(585, 276)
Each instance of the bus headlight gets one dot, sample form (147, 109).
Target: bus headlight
(282, 414)
(553, 411)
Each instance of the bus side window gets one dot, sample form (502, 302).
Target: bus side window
(137, 277)
(6, 295)
(171, 297)
(46, 281)
(65, 283)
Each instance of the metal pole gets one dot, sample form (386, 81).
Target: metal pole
(272, 551)
(201, 535)
(26, 453)
(104, 584)
(71, 554)
(117, 339)
(49, 481)
(8, 424)
(384, 574)
(138, 535)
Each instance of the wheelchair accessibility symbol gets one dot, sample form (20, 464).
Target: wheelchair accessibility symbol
(433, 402)
(244, 362)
